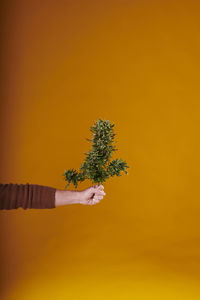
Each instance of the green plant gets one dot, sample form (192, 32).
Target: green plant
(98, 165)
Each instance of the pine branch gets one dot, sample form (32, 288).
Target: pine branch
(98, 166)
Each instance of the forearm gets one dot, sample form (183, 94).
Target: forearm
(63, 197)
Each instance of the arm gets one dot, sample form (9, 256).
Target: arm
(13, 196)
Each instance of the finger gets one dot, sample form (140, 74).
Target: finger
(96, 201)
(100, 193)
(90, 202)
(96, 188)
(99, 188)
(97, 198)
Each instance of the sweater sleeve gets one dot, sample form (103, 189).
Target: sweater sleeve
(13, 196)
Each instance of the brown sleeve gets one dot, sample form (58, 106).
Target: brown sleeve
(13, 196)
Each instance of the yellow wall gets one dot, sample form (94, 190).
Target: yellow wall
(136, 63)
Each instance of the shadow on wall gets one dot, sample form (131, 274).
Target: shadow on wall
(4, 8)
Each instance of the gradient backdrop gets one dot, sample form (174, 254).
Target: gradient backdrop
(66, 64)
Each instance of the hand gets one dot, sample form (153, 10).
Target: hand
(92, 195)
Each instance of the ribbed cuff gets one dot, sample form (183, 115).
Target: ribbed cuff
(38, 196)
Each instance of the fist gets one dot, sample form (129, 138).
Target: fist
(92, 195)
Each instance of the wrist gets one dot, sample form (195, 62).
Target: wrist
(75, 196)
(63, 197)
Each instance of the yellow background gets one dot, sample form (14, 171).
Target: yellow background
(136, 63)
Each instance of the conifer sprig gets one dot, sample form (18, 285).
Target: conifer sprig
(98, 165)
